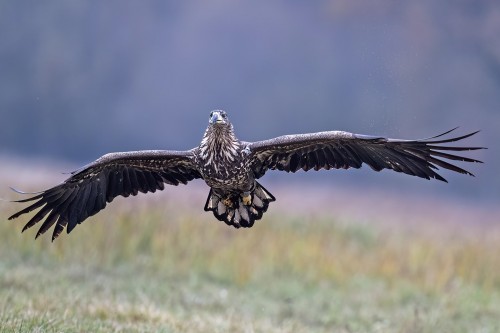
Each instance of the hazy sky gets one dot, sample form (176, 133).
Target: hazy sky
(82, 78)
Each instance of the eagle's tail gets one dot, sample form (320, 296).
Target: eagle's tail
(229, 207)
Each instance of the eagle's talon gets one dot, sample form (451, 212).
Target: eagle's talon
(247, 199)
(227, 202)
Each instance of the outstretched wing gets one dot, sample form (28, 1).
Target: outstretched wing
(88, 189)
(336, 149)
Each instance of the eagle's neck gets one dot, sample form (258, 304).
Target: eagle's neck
(219, 142)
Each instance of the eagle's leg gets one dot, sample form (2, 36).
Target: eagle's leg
(246, 198)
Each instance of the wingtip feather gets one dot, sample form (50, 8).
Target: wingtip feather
(23, 192)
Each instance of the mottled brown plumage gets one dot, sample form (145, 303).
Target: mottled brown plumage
(230, 168)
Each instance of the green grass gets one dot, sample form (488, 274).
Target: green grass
(145, 266)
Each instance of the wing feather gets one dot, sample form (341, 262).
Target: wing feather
(127, 184)
(344, 150)
(88, 190)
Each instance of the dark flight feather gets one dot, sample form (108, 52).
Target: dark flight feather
(89, 189)
(347, 150)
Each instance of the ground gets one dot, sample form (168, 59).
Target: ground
(157, 264)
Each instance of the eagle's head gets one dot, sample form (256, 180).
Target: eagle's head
(218, 118)
(219, 138)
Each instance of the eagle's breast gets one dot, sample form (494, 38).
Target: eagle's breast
(223, 163)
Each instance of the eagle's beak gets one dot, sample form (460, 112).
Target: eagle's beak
(216, 118)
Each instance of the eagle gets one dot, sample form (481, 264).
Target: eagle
(231, 168)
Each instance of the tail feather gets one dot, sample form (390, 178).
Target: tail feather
(229, 207)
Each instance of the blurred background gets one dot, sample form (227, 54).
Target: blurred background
(340, 251)
(83, 78)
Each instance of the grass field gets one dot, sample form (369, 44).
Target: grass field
(153, 264)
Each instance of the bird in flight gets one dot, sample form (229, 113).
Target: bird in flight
(231, 168)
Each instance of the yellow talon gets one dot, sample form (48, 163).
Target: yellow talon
(247, 200)
(227, 202)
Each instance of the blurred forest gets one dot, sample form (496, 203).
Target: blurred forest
(83, 78)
